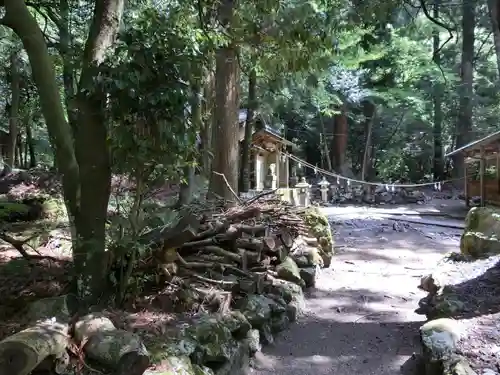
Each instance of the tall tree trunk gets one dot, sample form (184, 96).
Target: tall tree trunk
(92, 153)
(494, 10)
(464, 123)
(30, 146)
(19, 151)
(226, 158)
(208, 121)
(244, 182)
(438, 165)
(369, 112)
(340, 139)
(67, 62)
(324, 144)
(14, 113)
(186, 186)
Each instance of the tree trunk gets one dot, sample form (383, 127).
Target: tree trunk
(438, 165)
(67, 62)
(369, 112)
(226, 158)
(340, 140)
(324, 144)
(14, 113)
(208, 121)
(92, 152)
(464, 123)
(30, 146)
(244, 183)
(19, 151)
(494, 9)
(186, 186)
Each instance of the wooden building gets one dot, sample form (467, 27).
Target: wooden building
(269, 169)
(481, 166)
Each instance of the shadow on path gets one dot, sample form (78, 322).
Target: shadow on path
(374, 341)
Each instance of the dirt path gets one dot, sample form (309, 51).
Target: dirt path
(360, 319)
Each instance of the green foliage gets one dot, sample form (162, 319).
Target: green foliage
(149, 83)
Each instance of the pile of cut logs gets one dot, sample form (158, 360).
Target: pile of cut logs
(227, 254)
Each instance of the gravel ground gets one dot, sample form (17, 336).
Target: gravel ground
(360, 319)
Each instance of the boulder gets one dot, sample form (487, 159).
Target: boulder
(481, 236)
(257, 309)
(179, 365)
(288, 270)
(239, 362)
(279, 323)
(439, 339)
(47, 308)
(214, 340)
(320, 228)
(309, 275)
(237, 323)
(253, 340)
(429, 284)
(307, 256)
(205, 339)
(291, 293)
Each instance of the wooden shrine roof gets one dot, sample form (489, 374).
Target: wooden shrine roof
(490, 143)
(265, 136)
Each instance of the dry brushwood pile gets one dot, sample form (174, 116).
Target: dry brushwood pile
(239, 272)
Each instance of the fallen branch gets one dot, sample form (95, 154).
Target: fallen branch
(238, 199)
(258, 196)
(19, 246)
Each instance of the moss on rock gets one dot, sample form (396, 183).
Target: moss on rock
(481, 236)
(320, 228)
(288, 270)
(439, 339)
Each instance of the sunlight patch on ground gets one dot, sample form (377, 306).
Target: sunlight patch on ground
(362, 364)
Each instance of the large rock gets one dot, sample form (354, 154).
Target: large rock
(320, 228)
(214, 341)
(179, 365)
(290, 292)
(481, 235)
(309, 275)
(439, 339)
(259, 309)
(307, 256)
(206, 339)
(289, 271)
(51, 307)
(239, 362)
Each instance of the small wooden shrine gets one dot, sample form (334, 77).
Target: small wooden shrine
(269, 168)
(481, 166)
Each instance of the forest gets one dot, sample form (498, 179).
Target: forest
(119, 115)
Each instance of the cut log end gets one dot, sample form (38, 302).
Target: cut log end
(22, 352)
(17, 358)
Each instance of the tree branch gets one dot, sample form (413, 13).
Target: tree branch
(49, 13)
